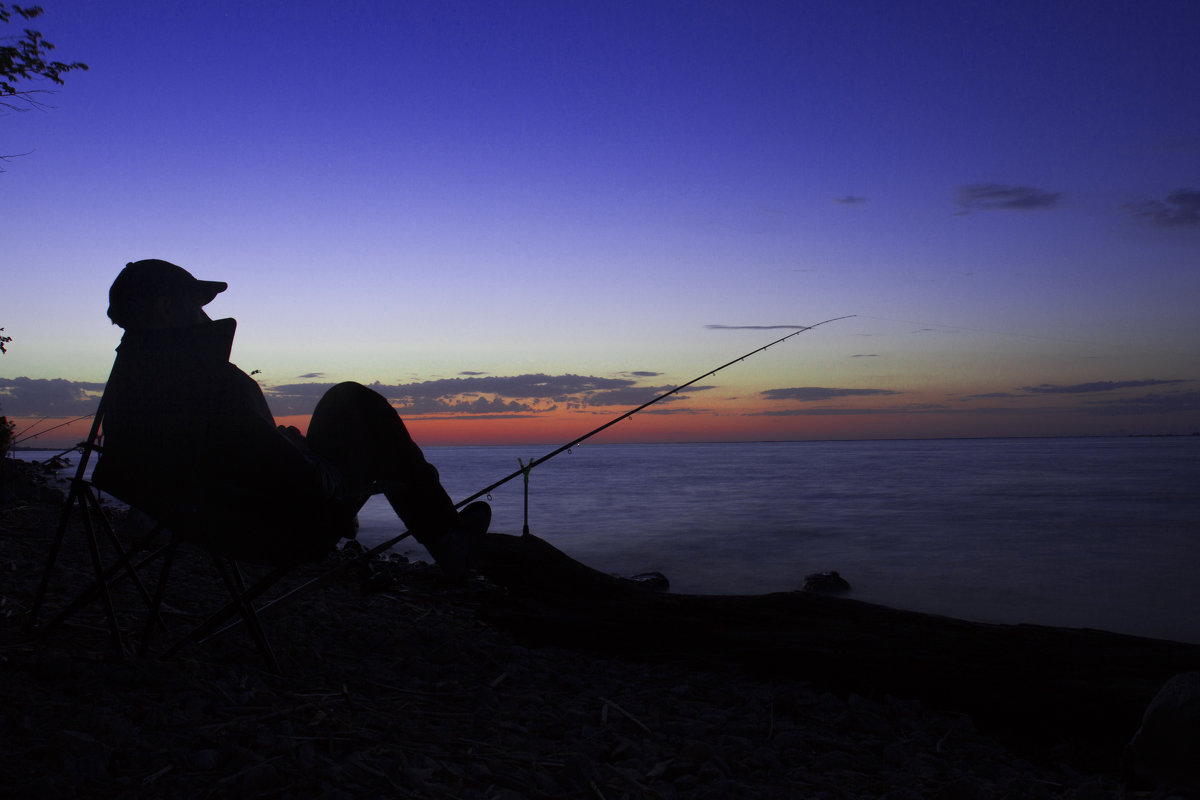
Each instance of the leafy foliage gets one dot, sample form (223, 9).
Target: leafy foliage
(25, 59)
(6, 427)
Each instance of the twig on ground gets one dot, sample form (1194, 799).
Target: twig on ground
(631, 717)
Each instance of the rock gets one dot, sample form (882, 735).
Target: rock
(31, 482)
(655, 581)
(1166, 748)
(827, 582)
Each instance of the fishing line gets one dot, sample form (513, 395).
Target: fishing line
(526, 468)
(977, 330)
(25, 436)
(533, 462)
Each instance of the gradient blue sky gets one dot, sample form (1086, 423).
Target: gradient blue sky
(552, 202)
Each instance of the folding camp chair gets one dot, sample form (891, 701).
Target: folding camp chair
(129, 559)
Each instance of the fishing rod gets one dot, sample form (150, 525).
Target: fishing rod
(26, 436)
(525, 468)
(367, 555)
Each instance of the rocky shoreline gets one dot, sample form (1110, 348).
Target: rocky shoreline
(393, 685)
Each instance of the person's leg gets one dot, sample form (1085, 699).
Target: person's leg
(360, 433)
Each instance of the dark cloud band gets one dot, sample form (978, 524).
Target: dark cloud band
(1181, 208)
(811, 394)
(1097, 386)
(48, 397)
(998, 196)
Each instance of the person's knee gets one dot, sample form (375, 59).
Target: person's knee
(345, 392)
(351, 407)
(349, 397)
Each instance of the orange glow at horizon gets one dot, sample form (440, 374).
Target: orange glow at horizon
(732, 425)
(42, 433)
(648, 426)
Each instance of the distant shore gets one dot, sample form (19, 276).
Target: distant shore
(66, 446)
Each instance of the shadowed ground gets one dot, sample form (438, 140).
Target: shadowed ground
(568, 684)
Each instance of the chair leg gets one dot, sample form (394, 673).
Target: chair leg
(111, 534)
(241, 603)
(246, 606)
(52, 559)
(109, 579)
(105, 597)
(160, 591)
(105, 578)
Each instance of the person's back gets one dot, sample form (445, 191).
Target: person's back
(189, 439)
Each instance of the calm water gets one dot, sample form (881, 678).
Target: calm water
(1079, 532)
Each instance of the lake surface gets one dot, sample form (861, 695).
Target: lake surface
(1087, 532)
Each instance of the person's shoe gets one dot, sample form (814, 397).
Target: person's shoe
(475, 518)
(452, 552)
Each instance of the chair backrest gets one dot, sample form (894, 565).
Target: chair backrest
(92, 444)
(231, 515)
(127, 563)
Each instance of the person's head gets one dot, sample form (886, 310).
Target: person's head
(152, 294)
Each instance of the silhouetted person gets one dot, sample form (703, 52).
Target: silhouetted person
(189, 439)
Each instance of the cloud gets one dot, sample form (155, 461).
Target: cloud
(850, 200)
(516, 394)
(470, 373)
(476, 407)
(756, 327)
(810, 394)
(632, 396)
(827, 411)
(1154, 403)
(998, 196)
(1182, 208)
(308, 376)
(992, 396)
(865, 355)
(821, 412)
(1097, 386)
(477, 395)
(48, 397)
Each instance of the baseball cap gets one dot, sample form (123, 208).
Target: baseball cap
(142, 282)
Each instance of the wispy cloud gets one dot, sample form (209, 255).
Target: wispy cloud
(1160, 404)
(992, 396)
(1180, 208)
(756, 327)
(1002, 197)
(1097, 386)
(631, 396)
(832, 411)
(850, 200)
(810, 394)
(1153, 403)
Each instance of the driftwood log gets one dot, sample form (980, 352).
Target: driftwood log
(1076, 694)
